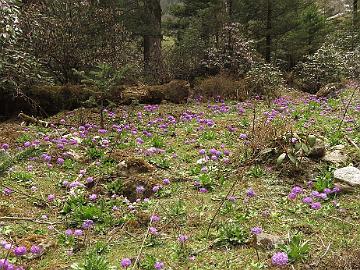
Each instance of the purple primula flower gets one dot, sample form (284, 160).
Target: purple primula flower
(183, 238)
(156, 188)
(297, 190)
(153, 231)
(5, 146)
(89, 179)
(51, 197)
(280, 259)
(307, 200)
(292, 196)
(243, 136)
(159, 265)
(93, 197)
(60, 161)
(125, 263)
(256, 230)
(35, 249)
(140, 189)
(166, 181)
(315, 205)
(336, 189)
(154, 218)
(27, 144)
(20, 251)
(78, 232)
(88, 223)
(250, 193)
(202, 151)
(7, 191)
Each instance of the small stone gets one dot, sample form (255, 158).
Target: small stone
(319, 150)
(338, 147)
(350, 175)
(336, 157)
(267, 241)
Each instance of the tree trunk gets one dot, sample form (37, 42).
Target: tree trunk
(268, 31)
(355, 11)
(153, 66)
(229, 5)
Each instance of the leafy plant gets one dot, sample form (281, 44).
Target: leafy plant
(93, 261)
(206, 181)
(161, 162)
(158, 142)
(95, 153)
(323, 181)
(21, 177)
(295, 148)
(99, 213)
(256, 171)
(297, 249)
(115, 187)
(25, 137)
(68, 164)
(178, 209)
(148, 262)
(208, 135)
(232, 233)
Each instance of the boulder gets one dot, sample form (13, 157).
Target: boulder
(349, 175)
(336, 157)
(176, 91)
(329, 90)
(267, 241)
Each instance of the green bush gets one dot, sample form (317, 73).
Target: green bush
(263, 79)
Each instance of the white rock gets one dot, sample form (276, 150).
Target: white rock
(350, 175)
(336, 157)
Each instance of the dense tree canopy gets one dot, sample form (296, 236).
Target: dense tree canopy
(161, 40)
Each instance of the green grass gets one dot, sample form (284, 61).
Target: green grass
(180, 205)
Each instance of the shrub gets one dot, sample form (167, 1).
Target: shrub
(220, 85)
(232, 53)
(18, 68)
(327, 65)
(264, 80)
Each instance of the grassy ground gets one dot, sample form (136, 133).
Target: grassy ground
(215, 202)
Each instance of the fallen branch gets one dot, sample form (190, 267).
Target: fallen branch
(32, 120)
(29, 119)
(352, 142)
(28, 219)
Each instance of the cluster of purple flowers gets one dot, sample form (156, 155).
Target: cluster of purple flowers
(151, 108)
(223, 108)
(313, 200)
(280, 259)
(19, 251)
(76, 232)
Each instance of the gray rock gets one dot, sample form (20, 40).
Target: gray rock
(336, 157)
(338, 147)
(268, 241)
(350, 175)
(319, 150)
